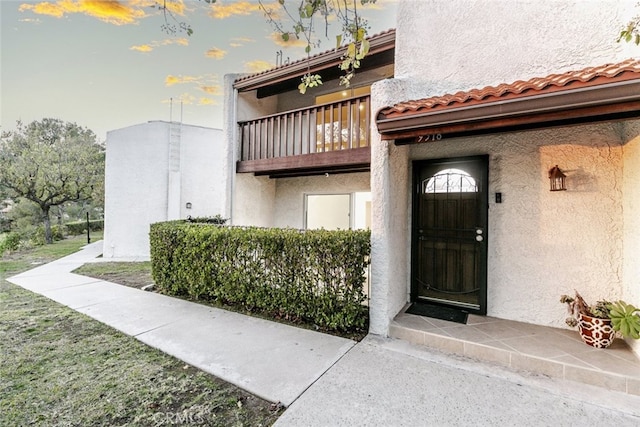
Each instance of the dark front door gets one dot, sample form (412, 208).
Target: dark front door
(450, 232)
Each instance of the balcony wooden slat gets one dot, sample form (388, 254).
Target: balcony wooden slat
(300, 130)
(306, 131)
(279, 119)
(367, 127)
(322, 127)
(269, 138)
(358, 122)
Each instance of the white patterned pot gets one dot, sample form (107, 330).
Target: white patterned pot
(595, 332)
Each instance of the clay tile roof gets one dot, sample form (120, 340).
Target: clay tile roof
(629, 69)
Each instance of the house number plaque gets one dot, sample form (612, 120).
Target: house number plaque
(432, 137)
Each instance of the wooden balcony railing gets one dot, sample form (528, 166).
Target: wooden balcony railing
(339, 130)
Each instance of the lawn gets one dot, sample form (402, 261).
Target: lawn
(60, 367)
(133, 274)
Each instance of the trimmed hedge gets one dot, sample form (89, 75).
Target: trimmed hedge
(315, 275)
(80, 227)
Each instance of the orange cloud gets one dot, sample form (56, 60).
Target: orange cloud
(111, 11)
(207, 101)
(222, 11)
(257, 66)
(181, 41)
(240, 41)
(292, 42)
(243, 40)
(150, 46)
(212, 90)
(215, 53)
(174, 80)
(142, 48)
(207, 82)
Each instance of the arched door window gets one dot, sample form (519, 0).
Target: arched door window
(450, 181)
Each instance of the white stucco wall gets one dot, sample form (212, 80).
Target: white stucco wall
(539, 240)
(140, 189)
(446, 46)
(631, 206)
(540, 243)
(290, 192)
(202, 172)
(253, 200)
(390, 219)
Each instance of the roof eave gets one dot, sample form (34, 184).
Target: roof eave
(379, 43)
(560, 105)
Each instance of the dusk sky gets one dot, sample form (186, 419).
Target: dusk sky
(108, 64)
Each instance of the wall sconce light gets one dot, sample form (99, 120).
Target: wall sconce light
(557, 179)
(188, 205)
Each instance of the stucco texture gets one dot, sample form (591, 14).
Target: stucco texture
(143, 186)
(290, 192)
(540, 243)
(631, 208)
(446, 46)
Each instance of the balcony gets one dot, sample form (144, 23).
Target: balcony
(332, 137)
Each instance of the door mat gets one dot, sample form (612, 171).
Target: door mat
(438, 312)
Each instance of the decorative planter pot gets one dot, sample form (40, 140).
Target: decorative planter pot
(595, 332)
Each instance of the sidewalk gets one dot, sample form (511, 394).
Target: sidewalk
(389, 382)
(329, 381)
(271, 360)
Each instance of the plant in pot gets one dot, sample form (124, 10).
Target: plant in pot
(599, 323)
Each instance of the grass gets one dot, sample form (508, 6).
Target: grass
(133, 274)
(15, 262)
(60, 367)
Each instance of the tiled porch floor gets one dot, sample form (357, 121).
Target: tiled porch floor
(554, 352)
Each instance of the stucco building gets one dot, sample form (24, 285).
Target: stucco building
(476, 93)
(491, 99)
(159, 171)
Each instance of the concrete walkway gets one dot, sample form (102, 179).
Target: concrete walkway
(271, 360)
(386, 382)
(329, 381)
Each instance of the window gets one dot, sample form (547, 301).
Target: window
(450, 181)
(338, 211)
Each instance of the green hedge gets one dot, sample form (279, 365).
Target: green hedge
(315, 276)
(80, 227)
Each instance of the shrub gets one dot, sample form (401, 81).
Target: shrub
(9, 242)
(36, 235)
(80, 227)
(5, 224)
(315, 275)
(218, 219)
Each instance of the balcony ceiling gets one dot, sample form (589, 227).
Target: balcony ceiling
(287, 77)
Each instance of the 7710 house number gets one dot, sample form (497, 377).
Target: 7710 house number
(429, 138)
